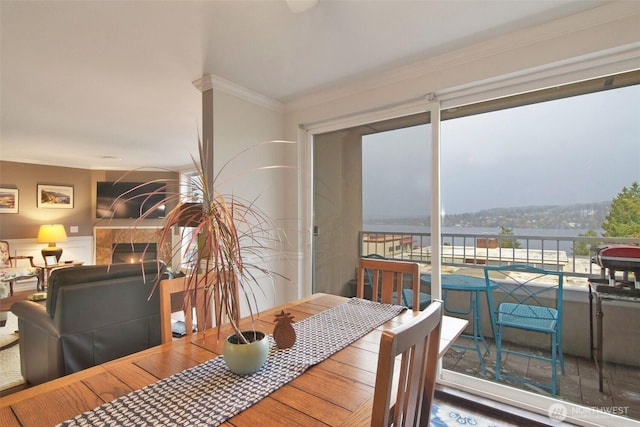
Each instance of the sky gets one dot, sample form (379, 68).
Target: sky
(574, 150)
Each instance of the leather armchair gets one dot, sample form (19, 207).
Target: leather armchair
(93, 314)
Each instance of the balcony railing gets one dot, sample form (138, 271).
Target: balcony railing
(466, 249)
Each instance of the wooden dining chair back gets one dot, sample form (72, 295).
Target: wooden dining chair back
(172, 300)
(386, 279)
(416, 343)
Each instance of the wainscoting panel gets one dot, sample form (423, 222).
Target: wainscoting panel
(78, 248)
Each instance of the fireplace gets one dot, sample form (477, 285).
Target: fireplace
(107, 237)
(133, 252)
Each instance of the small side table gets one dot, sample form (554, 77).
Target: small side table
(475, 286)
(46, 269)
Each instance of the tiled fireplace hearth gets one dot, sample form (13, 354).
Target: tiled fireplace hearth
(106, 237)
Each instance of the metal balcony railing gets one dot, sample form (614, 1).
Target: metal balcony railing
(572, 255)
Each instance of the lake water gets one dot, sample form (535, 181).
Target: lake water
(533, 244)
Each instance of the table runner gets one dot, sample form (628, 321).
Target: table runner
(209, 394)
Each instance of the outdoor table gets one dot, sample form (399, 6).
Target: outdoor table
(475, 286)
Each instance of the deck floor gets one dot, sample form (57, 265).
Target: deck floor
(579, 384)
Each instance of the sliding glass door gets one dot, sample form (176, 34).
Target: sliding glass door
(504, 166)
(361, 173)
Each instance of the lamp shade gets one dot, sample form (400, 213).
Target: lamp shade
(51, 233)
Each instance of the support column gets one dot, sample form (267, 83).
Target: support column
(205, 85)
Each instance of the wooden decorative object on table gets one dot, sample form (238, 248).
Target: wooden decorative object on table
(283, 333)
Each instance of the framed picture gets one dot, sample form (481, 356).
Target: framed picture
(50, 260)
(55, 196)
(8, 200)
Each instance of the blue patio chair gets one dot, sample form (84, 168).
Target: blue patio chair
(407, 299)
(526, 298)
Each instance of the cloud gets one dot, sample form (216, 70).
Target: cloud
(573, 150)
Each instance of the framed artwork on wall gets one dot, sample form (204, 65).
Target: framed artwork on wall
(8, 200)
(55, 196)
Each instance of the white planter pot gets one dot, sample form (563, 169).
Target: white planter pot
(243, 359)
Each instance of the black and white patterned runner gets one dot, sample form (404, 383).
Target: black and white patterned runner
(209, 394)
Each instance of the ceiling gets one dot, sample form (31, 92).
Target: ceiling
(108, 84)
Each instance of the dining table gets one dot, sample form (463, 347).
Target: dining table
(336, 391)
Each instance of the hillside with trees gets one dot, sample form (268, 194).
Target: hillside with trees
(617, 218)
(578, 216)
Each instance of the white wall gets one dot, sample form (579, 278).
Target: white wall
(242, 120)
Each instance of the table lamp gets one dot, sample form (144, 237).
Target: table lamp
(51, 233)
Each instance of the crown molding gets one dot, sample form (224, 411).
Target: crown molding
(216, 83)
(204, 83)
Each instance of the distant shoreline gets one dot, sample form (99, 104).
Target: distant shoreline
(579, 217)
(555, 232)
(560, 234)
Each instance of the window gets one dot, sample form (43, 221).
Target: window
(338, 155)
(575, 145)
(398, 196)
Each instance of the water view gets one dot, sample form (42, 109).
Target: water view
(564, 236)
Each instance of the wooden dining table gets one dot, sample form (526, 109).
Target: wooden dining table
(337, 391)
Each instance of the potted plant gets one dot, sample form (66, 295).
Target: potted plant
(225, 238)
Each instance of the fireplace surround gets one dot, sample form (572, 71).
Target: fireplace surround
(107, 238)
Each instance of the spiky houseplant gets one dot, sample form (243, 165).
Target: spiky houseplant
(225, 238)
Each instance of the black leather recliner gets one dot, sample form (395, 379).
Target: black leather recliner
(93, 314)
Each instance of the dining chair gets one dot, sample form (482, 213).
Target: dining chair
(526, 298)
(11, 272)
(385, 278)
(415, 346)
(172, 300)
